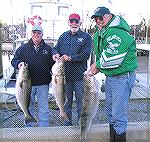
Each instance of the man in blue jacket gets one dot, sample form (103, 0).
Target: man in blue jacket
(38, 55)
(74, 46)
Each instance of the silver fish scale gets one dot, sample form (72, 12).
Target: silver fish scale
(25, 99)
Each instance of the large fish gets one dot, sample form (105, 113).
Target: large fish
(90, 103)
(58, 82)
(23, 92)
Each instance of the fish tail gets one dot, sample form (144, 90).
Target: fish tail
(83, 135)
(30, 119)
(63, 115)
(83, 138)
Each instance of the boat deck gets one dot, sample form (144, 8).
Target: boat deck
(13, 119)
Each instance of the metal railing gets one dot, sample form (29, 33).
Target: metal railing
(7, 74)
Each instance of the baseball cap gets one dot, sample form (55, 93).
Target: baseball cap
(74, 16)
(37, 28)
(100, 11)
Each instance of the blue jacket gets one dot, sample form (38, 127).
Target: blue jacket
(78, 47)
(40, 63)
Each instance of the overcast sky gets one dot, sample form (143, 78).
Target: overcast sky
(132, 10)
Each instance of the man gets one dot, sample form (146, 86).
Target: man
(74, 46)
(115, 51)
(37, 54)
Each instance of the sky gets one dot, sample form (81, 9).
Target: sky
(15, 8)
(132, 10)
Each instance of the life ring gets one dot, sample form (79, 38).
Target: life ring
(35, 20)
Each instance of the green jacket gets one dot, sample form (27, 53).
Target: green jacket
(115, 48)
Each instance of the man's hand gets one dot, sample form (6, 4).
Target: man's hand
(66, 58)
(93, 69)
(56, 57)
(20, 64)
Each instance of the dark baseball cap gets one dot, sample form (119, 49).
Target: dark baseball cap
(100, 11)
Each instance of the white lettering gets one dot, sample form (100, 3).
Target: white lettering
(114, 37)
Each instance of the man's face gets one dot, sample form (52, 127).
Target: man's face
(36, 37)
(74, 25)
(101, 21)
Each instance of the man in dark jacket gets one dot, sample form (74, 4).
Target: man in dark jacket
(74, 46)
(37, 54)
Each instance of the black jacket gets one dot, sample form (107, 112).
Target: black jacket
(40, 63)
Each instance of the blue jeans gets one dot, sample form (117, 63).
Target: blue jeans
(77, 87)
(118, 90)
(41, 93)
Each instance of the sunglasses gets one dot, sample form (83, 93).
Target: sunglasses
(74, 20)
(36, 32)
(99, 17)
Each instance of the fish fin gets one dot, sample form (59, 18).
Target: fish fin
(21, 84)
(55, 79)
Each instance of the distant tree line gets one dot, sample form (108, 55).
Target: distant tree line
(138, 31)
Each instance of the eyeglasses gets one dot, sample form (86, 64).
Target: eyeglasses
(99, 17)
(36, 32)
(74, 20)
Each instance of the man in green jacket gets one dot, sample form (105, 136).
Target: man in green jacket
(116, 57)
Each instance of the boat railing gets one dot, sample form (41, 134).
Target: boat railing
(7, 76)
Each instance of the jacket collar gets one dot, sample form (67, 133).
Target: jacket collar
(78, 32)
(31, 43)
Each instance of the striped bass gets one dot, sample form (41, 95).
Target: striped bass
(90, 103)
(23, 92)
(58, 86)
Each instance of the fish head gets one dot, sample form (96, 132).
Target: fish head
(88, 77)
(24, 71)
(89, 82)
(58, 67)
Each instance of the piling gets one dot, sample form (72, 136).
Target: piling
(1, 66)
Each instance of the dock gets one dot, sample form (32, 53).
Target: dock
(136, 132)
(138, 127)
